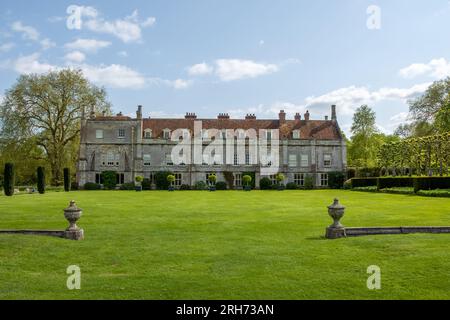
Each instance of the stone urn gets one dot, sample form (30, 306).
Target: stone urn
(336, 212)
(72, 213)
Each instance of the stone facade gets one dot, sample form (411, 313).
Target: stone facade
(142, 146)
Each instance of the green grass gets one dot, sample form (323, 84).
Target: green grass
(223, 245)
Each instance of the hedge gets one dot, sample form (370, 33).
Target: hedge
(392, 182)
(336, 180)
(363, 182)
(109, 179)
(221, 185)
(41, 180)
(92, 186)
(67, 184)
(161, 180)
(265, 183)
(431, 183)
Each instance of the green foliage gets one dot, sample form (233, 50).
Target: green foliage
(146, 184)
(363, 182)
(128, 186)
(309, 182)
(280, 178)
(251, 174)
(229, 178)
(170, 178)
(139, 179)
(336, 180)
(391, 182)
(348, 184)
(74, 185)
(431, 183)
(109, 179)
(161, 181)
(212, 178)
(67, 183)
(185, 187)
(435, 193)
(246, 179)
(41, 180)
(265, 183)
(366, 189)
(92, 186)
(221, 185)
(291, 186)
(200, 185)
(9, 179)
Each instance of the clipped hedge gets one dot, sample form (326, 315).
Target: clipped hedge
(67, 183)
(431, 183)
(9, 179)
(161, 180)
(291, 186)
(265, 183)
(41, 180)
(393, 182)
(92, 186)
(336, 180)
(221, 185)
(363, 182)
(146, 184)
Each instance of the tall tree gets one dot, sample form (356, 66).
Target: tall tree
(48, 108)
(365, 139)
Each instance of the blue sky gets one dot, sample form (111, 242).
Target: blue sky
(253, 56)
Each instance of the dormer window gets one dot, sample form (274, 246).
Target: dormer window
(296, 134)
(166, 134)
(148, 133)
(121, 133)
(269, 134)
(99, 134)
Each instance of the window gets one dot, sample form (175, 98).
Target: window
(205, 134)
(238, 179)
(151, 177)
(147, 133)
(178, 179)
(324, 179)
(292, 160)
(273, 178)
(98, 178)
(299, 179)
(241, 134)
(247, 159)
(120, 178)
(169, 161)
(304, 160)
(121, 133)
(166, 134)
(224, 133)
(327, 160)
(269, 134)
(235, 160)
(296, 134)
(99, 134)
(110, 159)
(147, 159)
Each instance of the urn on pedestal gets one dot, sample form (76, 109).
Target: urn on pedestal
(72, 213)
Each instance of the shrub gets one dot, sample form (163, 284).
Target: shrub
(74, 185)
(368, 172)
(170, 179)
(363, 182)
(221, 185)
(139, 179)
(309, 182)
(391, 182)
(200, 185)
(280, 178)
(66, 179)
(348, 184)
(431, 183)
(367, 189)
(399, 190)
(161, 180)
(336, 180)
(41, 180)
(109, 179)
(146, 184)
(265, 184)
(92, 186)
(351, 173)
(212, 178)
(291, 186)
(435, 193)
(9, 179)
(185, 187)
(247, 180)
(128, 186)
(252, 176)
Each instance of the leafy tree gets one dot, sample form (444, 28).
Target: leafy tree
(109, 179)
(47, 109)
(8, 176)
(67, 184)
(41, 180)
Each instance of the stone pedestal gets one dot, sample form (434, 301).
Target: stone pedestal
(335, 233)
(74, 234)
(72, 214)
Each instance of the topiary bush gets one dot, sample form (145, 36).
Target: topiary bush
(161, 180)
(221, 185)
(291, 186)
(336, 180)
(9, 179)
(66, 179)
(41, 180)
(265, 183)
(92, 186)
(309, 182)
(200, 185)
(252, 176)
(109, 179)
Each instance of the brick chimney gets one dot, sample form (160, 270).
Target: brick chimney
(333, 112)
(139, 112)
(223, 116)
(190, 115)
(250, 116)
(307, 115)
(326, 118)
(297, 117)
(282, 117)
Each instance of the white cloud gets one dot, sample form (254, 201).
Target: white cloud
(5, 47)
(122, 53)
(28, 33)
(75, 56)
(127, 29)
(87, 45)
(200, 69)
(436, 68)
(181, 84)
(30, 64)
(116, 76)
(47, 44)
(235, 69)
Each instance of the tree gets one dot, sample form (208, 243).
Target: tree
(109, 179)
(48, 108)
(66, 179)
(364, 141)
(8, 183)
(41, 180)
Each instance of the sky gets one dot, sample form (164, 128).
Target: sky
(236, 57)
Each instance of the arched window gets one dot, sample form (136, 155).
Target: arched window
(166, 133)
(148, 133)
(296, 134)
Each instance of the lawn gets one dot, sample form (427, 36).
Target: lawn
(223, 245)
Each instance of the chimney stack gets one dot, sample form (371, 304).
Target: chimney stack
(297, 117)
(223, 116)
(326, 118)
(282, 117)
(139, 112)
(307, 115)
(190, 115)
(333, 112)
(250, 116)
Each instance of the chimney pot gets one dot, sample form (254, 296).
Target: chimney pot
(307, 115)
(333, 112)
(298, 117)
(282, 117)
